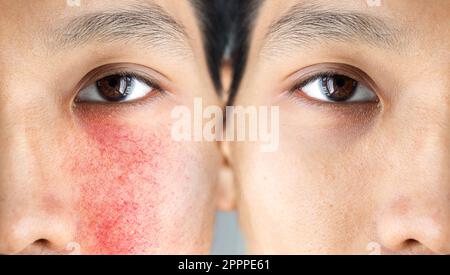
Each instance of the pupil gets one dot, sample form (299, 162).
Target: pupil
(112, 82)
(340, 82)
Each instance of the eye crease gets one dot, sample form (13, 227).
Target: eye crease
(335, 88)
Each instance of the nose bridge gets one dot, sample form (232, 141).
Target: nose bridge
(416, 195)
(27, 112)
(36, 198)
(31, 198)
(17, 158)
(432, 147)
(19, 185)
(418, 123)
(428, 128)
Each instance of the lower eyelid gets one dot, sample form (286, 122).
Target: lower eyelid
(299, 97)
(352, 112)
(123, 109)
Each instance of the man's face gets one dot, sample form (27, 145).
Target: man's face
(87, 159)
(363, 164)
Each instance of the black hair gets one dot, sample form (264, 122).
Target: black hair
(226, 27)
(244, 13)
(215, 24)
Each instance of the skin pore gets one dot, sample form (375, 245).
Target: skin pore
(95, 173)
(368, 173)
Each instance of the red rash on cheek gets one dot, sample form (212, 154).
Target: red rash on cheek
(120, 171)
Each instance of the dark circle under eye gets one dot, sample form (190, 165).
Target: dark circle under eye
(115, 87)
(338, 87)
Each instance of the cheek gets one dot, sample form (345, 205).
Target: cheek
(121, 171)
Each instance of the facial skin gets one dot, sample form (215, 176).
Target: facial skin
(371, 176)
(83, 174)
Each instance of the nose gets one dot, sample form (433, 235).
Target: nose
(414, 209)
(415, 226)
(33, 214)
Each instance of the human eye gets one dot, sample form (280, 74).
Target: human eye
(336, 86)
(117, 85)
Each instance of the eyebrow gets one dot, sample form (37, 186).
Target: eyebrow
(306, 23)
(146, 24)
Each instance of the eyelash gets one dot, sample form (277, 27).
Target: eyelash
(135, 75)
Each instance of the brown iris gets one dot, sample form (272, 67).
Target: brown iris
(338, 87)
(115, 87)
